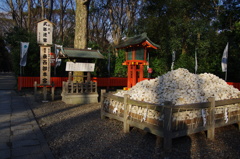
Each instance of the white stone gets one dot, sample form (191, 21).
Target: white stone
(180, 87)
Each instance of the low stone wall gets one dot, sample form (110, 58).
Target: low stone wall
(83, 98)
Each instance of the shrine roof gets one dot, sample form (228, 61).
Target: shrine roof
(139, 39)
(80, 53)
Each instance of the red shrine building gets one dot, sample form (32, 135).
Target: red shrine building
(136, 49)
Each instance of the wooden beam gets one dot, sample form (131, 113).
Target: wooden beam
(126, 127)
(167, 128)
(156, 130)
(211, 130)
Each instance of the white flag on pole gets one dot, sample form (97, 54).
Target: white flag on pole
(224, 59)
(196, 64)
(23, 53)
(173, 59)
(57, 50)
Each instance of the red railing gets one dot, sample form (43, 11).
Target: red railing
(29, 81)
(101, 81)
(110, 81)
(236, 85)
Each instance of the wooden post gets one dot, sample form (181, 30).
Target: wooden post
(35, 87)
(88, 76)
(52, 91)
(82, 87)
(141, 72)
(134, 75)
(126, 127)
(167, 127)
(91, 86)
(66, 87)
(239, 119)
(45, 93)
(158, 141)
(238, 123)
(70, 76)
(71, 86)
(102, 103)
(211, 130)
(63, 87)
(77, 86)
(129, 76)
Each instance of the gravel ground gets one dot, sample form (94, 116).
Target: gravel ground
(77, 132)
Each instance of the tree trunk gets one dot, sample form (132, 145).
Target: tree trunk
(13, 13)
(81, 24)
(61, 19)
(20, 13)
(50, 10)
(43, 12)
(29, 16)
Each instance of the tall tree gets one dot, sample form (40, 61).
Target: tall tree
(81, 24)
(50, 4)
(175, 25)
(122, 16)
(98, 24)
(13, 12)
(29, 15)
(43, 9)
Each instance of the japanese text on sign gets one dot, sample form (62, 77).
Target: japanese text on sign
(45, 65)
(44, 32)
(84, 67)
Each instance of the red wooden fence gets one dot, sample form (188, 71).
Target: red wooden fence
(236, 85)
(101, 81)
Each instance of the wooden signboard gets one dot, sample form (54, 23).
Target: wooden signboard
(44, 32)
(45, 68)
(77, 66)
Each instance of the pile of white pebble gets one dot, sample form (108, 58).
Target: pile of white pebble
(181, 87)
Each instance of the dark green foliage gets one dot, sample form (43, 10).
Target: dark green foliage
(193, 26)
(5, 58)
(183, 26)
(14, 38)
(120, 70)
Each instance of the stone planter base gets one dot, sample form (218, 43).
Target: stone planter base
(81, 98)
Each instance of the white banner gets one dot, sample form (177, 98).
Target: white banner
(57, 50)
(76, 66)
(58, 62)
(196, 64)
(224, 59)
(23, 53)
(173, 59)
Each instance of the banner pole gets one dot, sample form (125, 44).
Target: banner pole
(20, 78)
(226, 76)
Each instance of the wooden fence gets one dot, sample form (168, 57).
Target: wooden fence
(24, 82)
(234, 84)
(171, 122)
(75, 88)
(101, 82)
